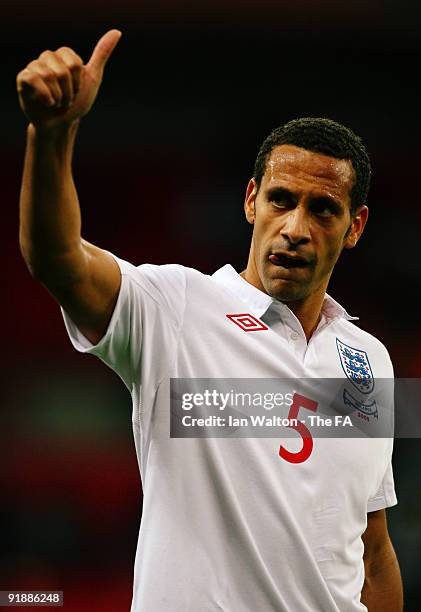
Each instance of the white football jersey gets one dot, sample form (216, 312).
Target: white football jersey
(229, 524)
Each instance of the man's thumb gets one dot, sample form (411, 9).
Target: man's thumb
(103, 49)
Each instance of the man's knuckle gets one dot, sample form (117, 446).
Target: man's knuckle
(46, 53)
(39, 68)
(22, 75)
(33, 64)
(70, 55)
(27, 78)
(50, 75)
(21, 84)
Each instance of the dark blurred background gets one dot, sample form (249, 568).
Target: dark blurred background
(161, 166)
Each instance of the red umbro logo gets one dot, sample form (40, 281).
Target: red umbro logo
(247, 322)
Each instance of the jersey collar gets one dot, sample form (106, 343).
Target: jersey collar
(259, 302)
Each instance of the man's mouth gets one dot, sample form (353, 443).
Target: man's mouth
(288, 261)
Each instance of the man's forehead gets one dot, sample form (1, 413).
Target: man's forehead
(289, 160)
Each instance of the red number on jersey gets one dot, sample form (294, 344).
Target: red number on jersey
(299, 401)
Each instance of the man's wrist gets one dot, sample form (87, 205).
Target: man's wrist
(52, 133)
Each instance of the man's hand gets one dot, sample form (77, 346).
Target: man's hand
(58, 88)
(54, 92)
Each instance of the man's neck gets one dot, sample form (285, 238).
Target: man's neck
(308, 310)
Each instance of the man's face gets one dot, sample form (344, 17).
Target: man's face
(302, 221)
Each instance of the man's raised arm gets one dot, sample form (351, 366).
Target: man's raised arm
(55, 91)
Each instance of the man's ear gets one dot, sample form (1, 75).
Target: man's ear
(357, 227)
(250, 201)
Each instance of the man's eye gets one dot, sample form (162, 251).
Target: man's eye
(323, 210)
(280, 201)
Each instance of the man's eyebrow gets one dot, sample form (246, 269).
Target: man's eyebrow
(328, 199)
(278, 190)
(281, 191)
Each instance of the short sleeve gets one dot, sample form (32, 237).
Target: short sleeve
(386, 495)
(144, 326)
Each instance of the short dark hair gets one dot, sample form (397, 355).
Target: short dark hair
(325, 136)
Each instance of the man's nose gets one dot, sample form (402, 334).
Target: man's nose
(296, 227)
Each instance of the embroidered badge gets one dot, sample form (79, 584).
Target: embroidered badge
(247, 322)
(368, 408)
(356, 366)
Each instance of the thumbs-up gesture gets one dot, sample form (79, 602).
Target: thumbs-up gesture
(58, 88)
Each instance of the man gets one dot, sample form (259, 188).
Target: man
(239, 524)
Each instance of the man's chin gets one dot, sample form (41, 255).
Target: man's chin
(285, 290)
